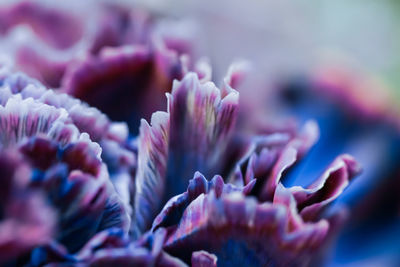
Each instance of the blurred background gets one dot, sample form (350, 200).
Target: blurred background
(290, 36)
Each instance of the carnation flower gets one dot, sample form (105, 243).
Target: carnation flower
(103, 169)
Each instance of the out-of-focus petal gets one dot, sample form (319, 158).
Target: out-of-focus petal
(203, 259)
(26, 221)
(328, 187)
(113, 247)
(135, 76)
(59, 29)
(272, 154)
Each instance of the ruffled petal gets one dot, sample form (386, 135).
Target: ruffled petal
(241, 232)
(173, 209)
(68, 117)
(198, 113)
(66, 164)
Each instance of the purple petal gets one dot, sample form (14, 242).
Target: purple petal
(172, 211)
(129, 74)
(76, 115)
(328, 187)
(241, 231)
(269, 156)
(112, 247)
(76, 183)
(152, 168)
(201, 115)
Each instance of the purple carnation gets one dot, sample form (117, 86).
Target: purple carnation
(118, 148)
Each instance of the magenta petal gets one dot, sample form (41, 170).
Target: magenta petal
(359, 94)
(48, 70)
(24, 118)
(87, 119)
(284, 162)
(204, 117)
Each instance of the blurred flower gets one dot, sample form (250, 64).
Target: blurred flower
(26, 221)
(127, 83)
(72, 38)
